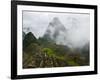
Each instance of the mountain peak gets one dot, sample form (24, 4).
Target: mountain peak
(57, 24)
(56, 31)
(28, 39)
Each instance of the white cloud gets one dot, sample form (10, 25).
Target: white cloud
(78, 25)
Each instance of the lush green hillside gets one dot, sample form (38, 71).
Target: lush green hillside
(43, 52)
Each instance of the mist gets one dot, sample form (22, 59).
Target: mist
(77, 26)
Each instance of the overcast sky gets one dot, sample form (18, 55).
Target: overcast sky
(77, 24)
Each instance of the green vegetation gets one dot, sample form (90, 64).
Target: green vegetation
(45, 53)
(48, 51)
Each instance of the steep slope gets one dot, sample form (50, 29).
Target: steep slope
(56, 32)
(28, 39)
(23, 34)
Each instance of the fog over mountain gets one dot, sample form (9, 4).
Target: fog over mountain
(68, 29)
(57, 32)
